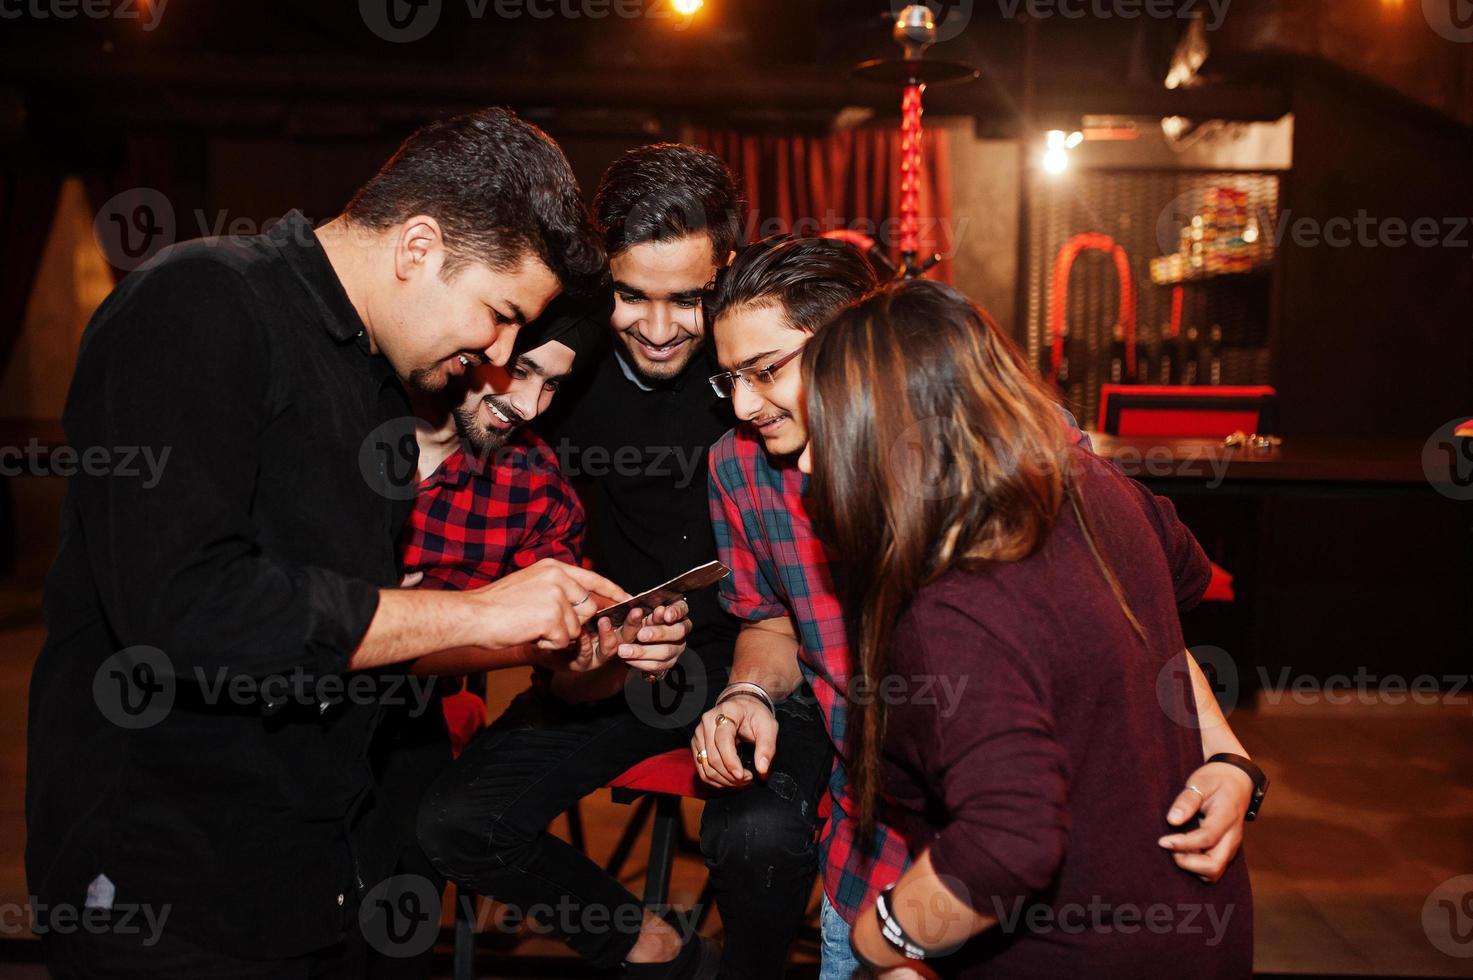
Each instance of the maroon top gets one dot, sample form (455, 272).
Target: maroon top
(1041, 765)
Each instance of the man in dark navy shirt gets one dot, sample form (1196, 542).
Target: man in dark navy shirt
(636, 437)
(221, 645)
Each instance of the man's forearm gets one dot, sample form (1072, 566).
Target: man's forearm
(410, 624)
(767, 657)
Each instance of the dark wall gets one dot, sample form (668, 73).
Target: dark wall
(1375, 340)
(1371, 341)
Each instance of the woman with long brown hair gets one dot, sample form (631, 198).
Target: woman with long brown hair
(982, 551)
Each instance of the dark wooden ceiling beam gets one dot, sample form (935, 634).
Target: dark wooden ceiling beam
(217, 92)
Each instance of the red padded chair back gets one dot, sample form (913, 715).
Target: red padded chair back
(1182, 410)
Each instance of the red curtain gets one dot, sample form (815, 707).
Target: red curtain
(808, 185)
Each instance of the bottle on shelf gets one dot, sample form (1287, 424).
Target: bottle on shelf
(1166, 358)
(1191, 356)
(1214, 355)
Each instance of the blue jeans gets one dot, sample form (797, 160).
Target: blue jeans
(837, 959)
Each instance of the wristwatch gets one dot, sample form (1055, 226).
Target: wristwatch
(1259, 777)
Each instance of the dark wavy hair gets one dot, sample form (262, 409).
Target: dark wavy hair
(500, 189)
(934, 445)
(664, 191)
(812, 279)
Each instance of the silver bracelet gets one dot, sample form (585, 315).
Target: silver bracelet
(738, 688)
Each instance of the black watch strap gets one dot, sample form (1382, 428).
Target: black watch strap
(1259, 777)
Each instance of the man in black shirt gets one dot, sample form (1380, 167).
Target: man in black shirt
(221, 645)
(638, 433)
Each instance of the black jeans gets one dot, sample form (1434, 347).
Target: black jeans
(484, 825)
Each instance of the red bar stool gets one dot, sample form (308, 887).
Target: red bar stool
(658, 784)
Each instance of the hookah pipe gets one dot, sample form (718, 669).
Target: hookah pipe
(1058, 369)
(915, 31)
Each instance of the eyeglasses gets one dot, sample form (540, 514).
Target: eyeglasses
(753, 377)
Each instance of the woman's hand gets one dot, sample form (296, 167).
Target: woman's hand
(656, 641)
(1221, 794)
(715, 741)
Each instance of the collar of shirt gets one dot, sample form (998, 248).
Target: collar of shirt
(629, 372)
(454, 470)
(698, 363)
(299, 246)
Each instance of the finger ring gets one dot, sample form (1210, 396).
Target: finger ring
(654, 677)
(584, 599)
(701, 757)
(722, 720)
(1197, 791)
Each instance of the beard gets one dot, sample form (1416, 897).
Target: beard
(483, 440)
(658, 372)
(430, 380)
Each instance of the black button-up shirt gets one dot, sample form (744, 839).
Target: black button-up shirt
(254, 563)
(645, 454)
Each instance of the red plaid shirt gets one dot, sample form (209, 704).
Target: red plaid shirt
(476, 520)
(778, 568)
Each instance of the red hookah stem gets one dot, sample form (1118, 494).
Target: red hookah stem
(910, 168)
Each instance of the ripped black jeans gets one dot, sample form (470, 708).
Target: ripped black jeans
(484, 825)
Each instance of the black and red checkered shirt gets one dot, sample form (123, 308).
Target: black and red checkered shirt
(476, 520)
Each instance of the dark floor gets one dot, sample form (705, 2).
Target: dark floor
(1371, 811)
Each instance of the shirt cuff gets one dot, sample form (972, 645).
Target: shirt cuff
(339, 610)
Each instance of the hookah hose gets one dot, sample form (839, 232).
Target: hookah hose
(1059, 296)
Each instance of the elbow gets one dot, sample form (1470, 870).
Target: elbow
(992, 866)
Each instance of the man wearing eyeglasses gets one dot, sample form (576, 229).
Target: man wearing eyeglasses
(637, 435)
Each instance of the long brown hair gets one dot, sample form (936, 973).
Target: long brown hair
(934, 446)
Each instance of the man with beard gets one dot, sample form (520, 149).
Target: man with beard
(199, 741)
(639, 430)
(493, 500)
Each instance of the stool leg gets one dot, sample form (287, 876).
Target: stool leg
(463, 966)
(662, 851)
(631, 834)
(575, 828)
